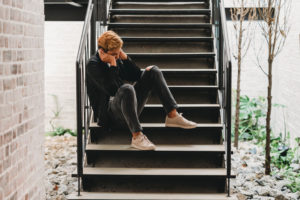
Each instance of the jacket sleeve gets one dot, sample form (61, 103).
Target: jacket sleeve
(133, 71)
(105, 80)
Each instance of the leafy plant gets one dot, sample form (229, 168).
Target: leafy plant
(58, 131)
(252, 113)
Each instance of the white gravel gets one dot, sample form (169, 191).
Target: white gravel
(247, 162)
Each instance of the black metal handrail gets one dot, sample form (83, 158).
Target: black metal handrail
(224, 78)
(82, 108)
(96, 12)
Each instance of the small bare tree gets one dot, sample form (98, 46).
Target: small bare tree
(243, 35)
(274, 15)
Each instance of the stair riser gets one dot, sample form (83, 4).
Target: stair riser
(193, 78)
(196, 5)
(154, 184)
(199, 115)
(158, 32)
(167, 47)
(160, 136)
(160, 19)
(176, 63)
(155, 159)
(189, 95)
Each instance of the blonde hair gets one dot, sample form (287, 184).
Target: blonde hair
(110, 40)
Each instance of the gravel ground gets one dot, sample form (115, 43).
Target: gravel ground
(60, 163)
(247, 162)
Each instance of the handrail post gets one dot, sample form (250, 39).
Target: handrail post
(228, 125)
(93, 28)
(79, 124)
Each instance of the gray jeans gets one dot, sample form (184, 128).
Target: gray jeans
(129, 100)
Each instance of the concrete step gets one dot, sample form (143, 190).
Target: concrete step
(176, 62)
(148, 196)
(160, 5)
(190, 76)
(159, 32)
(190, 94)
(169, 47)
(198, 113)
(112, 25)
(151, 1)
(164, 156)
(167, 39)
(163, 180)
(117, 171)
(161, 148)
(159, 134)
(160, 11)
(159, 18)
(172, 55)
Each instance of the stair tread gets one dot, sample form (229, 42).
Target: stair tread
(161, 11)
(166, 39)
(187, 70)
(193, 86)
(160, 125)
(156, 171)
(138, 1)
(162, 147)
(185, 105)
(198, 53)
(144, 25)
(150, 196)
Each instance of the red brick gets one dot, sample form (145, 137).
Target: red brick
(7, 56)
(14, 69)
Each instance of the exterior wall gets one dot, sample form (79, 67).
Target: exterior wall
(61, 46)
(286, 79)
(286, 84)
(21, 99)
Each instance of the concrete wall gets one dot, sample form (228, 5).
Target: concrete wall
(61, 46)
(21, 100)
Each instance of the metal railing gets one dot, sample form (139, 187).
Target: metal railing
(96, 12)
(224, 77)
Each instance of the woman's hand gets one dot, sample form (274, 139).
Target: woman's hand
(123, 55)
(105, 57)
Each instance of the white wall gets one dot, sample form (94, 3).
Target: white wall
(61, 46)
(286, 69)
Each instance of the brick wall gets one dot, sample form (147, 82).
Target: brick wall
(60, 56)
(21, 99)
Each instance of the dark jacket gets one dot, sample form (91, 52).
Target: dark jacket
(103, 81)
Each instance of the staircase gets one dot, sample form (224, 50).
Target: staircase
(178, 37)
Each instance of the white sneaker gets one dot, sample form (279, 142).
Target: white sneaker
(179, 121)
(142, 142)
